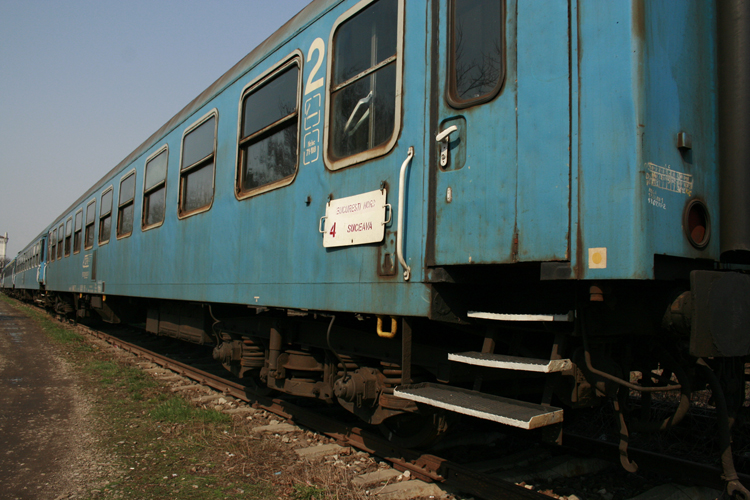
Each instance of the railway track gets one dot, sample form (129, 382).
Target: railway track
(426, 467)
(475, 478)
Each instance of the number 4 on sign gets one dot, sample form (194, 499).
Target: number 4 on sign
(332, 232)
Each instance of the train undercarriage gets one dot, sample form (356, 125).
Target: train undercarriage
(606, 344)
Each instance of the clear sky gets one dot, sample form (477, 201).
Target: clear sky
(85, 82)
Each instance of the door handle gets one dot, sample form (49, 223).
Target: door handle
(443, 138)
(400, 228)
(445, 134)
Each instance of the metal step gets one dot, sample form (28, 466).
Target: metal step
(570, 316)
(498, 409)
(511, 362)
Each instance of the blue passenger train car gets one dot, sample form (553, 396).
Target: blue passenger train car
(497, 208)
(25, 273)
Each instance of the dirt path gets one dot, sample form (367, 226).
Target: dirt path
(45, 444)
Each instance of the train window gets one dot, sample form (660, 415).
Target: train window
(155, 190)
(126, 206)
(197, 167)
(52, 244)
(105, 216)
(68, 235)
(365, 101)
(476, 65)
(88, 236)
(60, 241)
(268, 145)
(77, 232)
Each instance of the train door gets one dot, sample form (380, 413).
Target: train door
(374, 127)
(499, 123)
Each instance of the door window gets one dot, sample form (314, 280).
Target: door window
(365, 103)
(477, 65)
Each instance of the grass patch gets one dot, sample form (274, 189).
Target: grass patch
(308, 492)
(177, 410)
(129, 378)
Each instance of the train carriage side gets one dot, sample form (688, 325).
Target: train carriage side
(250, 233)
(28, 272)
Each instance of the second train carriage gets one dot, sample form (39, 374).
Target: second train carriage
(525, 201)
(25, 273)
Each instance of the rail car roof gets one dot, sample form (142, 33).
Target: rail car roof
(299, 22)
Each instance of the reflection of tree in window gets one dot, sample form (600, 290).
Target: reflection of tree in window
(105, 217)
(77, 233)
(363, 90)
(477, 49)
(88, 236)
(269, 143)
(155, 190)
(197, 169)
(60, 241)
(53, 245)
(68, 236)
(126, 206)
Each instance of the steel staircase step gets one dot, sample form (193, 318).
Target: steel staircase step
(570, 316)
(489, 407)
(511, 362)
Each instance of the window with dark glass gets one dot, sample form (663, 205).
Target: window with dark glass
(77, 232)
(197, 168)
(363, 81)
(476, 51)
(126, 206)
(68, 235)
(155, 191)
(88, 235)
(268, 147)
(60, 237)
(105, 217)
(52, 244)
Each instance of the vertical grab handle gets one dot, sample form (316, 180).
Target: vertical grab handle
(400, 228)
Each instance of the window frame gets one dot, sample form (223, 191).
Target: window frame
(60, 240)
(147, 191)
(184, 171)
(294, 58)
(124, 205)
(53, 246)
(450, 90)
(86, 226)
(68, 237)
(77, 233)
(108, 214)
(385, 148)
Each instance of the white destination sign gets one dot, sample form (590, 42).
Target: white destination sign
(356, 220)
